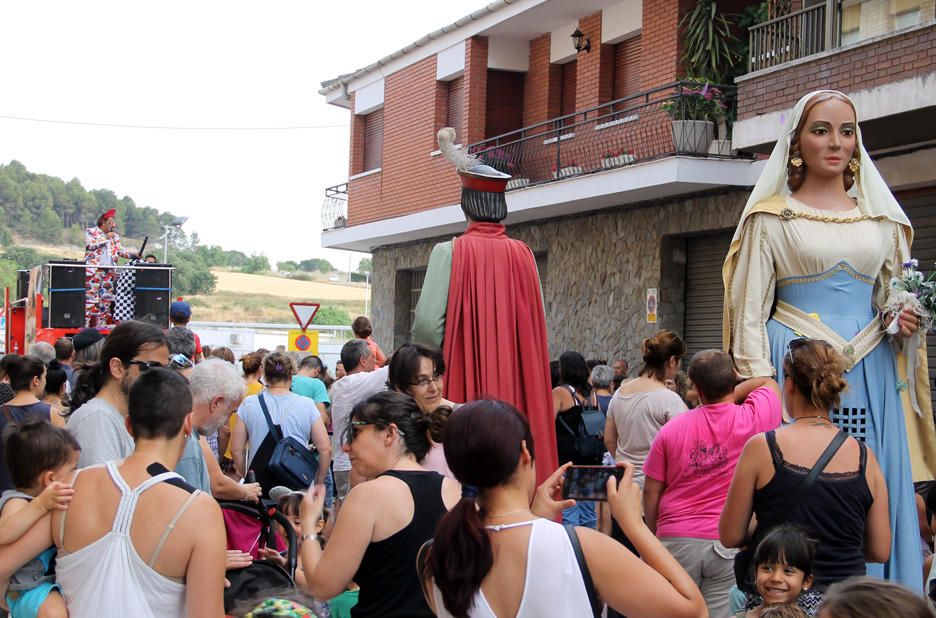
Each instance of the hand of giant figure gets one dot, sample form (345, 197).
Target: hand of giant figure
(481, 302)
(813, 254)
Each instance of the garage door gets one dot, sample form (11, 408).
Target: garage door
(921, 209)
(704, 291)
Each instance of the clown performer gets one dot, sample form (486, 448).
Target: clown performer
(813, 255)
(102, 248)
(481, 303)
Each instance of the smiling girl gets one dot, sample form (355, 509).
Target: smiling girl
(783, 575)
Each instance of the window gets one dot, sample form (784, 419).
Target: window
(455, 105)
(373, 140)
(567, 98)
(627, 68)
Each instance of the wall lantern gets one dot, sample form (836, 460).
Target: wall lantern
(579, 42)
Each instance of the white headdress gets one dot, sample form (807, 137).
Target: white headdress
(872, 193)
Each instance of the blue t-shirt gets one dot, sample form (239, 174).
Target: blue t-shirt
(313, 388)
(192, 466)
(294, 414)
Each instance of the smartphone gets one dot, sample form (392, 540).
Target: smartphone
(589, 482)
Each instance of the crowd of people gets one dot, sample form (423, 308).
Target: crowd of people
(432, 507)
(145, 474)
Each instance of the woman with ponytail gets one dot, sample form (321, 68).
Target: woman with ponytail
(846, 507)
(383, 522)
(497, 552)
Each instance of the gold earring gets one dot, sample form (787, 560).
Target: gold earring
(854, 165)
(795, 160)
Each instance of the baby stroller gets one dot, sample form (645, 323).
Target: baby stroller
(249, 528)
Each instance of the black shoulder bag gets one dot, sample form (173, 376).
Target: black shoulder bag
(291, 462)
(743, 569)
(586, 574)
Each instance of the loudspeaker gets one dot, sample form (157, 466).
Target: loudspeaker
(66, 294)
(66, 276)
(153, 276)
(22, 287)
(153, 303)
(67, 309)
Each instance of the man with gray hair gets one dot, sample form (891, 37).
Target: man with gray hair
(361, 382)
(43, 351)
(217, 391)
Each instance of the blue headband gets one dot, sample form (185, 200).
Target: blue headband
(470, 491)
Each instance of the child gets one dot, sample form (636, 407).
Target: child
(783, 572)
(41, 460)
(867, 597)
(787, 610)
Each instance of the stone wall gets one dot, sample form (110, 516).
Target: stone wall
(598, 268)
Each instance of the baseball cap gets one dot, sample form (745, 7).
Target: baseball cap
(180, 307)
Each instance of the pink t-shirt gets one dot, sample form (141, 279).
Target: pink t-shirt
(695, 455)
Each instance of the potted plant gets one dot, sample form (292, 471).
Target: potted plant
(695, 110)
(569, 168)
(616, 158)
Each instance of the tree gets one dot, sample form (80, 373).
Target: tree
(49, 226)
(332, 316)
(365, 266)
(287, 266)
(256, 263)
(316, 264)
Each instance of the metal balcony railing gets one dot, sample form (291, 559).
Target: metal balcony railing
(679, 118)
(335, 207)
(789, 37)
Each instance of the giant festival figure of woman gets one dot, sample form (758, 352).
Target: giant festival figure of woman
(818, 242)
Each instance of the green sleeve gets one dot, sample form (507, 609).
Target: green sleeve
(429, 322)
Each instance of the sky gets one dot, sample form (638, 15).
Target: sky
(207, 64)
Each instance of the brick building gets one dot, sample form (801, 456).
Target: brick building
(612, 195)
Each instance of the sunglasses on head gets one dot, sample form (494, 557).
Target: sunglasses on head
(146, 365)
(180, 361)
(798, 342)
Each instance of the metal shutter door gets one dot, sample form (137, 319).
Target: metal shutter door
(704, 292)
(922, 213)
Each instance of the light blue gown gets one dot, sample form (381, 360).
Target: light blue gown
(835, 271)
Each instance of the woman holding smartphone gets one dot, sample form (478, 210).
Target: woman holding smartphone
(482, 561)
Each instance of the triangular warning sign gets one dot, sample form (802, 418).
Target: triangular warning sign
(304, 313)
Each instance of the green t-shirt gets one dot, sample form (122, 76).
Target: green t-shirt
(341, 605)
(313, 388)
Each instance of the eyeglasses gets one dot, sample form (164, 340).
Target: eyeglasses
(180, 361)
(354, 428)
(793, 345)
(146, 365)
(424, 381)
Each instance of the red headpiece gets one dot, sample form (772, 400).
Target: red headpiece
(110, 213)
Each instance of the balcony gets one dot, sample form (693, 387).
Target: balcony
(682, 118)
(660, 144)
(831, 24)
(335, 207)
(882, 53)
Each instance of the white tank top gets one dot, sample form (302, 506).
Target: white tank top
(553, 585)
(108, 579)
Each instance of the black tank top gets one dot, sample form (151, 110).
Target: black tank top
(568, 419)
(390, 584)
(833, 512)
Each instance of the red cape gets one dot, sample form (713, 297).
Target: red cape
(495, 332)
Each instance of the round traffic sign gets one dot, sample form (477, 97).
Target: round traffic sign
(303, 343)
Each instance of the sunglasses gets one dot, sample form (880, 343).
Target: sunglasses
(354, 429)
(798, 342)
(146, 365)
(180, 361)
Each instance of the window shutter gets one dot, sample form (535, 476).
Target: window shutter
(373, 140)
(456, 105)
(567, 105)
(627, 68)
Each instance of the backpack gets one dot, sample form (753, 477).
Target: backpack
(589, 435)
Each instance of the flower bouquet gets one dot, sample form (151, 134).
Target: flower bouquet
(915, 292)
